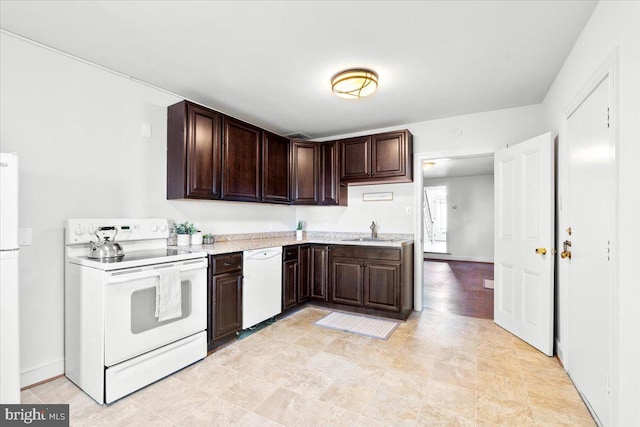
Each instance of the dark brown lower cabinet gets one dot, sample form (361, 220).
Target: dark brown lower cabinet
(289, 277)
(319, 272)
(304, 271)
(372, 280)
(347, 280)
(224, 306)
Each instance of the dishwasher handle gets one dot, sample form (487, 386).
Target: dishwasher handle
(261, 254)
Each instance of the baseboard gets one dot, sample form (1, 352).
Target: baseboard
(559, 353)
(448, 257)
(41, 373)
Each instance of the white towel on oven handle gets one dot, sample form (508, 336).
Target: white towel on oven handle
(168, 294)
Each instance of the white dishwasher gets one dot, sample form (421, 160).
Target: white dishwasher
(261, 285)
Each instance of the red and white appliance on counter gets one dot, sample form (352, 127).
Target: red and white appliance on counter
(114, 343)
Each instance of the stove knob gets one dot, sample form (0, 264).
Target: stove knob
(163, 227)
(79, 230)
(154, 228)
(91, 229)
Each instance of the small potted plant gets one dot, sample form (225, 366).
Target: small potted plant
(208, 239)
(299, 230)
(183, 232)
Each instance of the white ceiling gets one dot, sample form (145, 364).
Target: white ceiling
(270, 62)
(459, 166)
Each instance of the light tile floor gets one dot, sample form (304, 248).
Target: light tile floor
(436, 369)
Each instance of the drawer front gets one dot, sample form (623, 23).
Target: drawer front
(290, 253)
(225, 263)
(366, 252)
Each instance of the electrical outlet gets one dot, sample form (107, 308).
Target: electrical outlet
(24, 236)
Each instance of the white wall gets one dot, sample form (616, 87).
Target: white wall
(614, 24)
(77, 129)
(470, 225)
(479, 133)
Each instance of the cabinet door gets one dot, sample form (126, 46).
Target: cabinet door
(347, 277)
(193, 152)
(275, 169)
(304, 271)
(241, 160)
(355, 158)
(331, 192)
(289, 284)
(382, 285)
(227, 303)
(318, 272)
(305, 164)
(389, 156)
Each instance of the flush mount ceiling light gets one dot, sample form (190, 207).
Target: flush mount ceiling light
(355, 83)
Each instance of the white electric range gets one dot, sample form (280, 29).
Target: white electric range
(114, 343)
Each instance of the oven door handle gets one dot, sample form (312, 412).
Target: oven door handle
(150, 273)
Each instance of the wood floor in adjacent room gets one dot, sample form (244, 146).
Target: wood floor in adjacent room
(457, 287)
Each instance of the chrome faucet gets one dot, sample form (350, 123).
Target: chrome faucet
(374, 233)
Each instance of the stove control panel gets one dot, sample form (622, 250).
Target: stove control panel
(83, 230)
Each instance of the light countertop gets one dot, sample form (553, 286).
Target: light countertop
(238, 245)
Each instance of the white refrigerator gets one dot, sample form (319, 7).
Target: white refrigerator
(9, 252)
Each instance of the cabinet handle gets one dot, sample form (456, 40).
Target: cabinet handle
(227, 264)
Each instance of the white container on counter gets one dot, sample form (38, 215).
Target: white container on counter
(196, 239)
(183, 239)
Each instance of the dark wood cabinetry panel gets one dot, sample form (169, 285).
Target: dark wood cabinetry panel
(376, 159)
(227, 299)
(276, 186)
(241, 159)
(347, 280)
(391, 155)
(373, 280)
(304, 271)
(382, 285)
(319, 272)
(193, 152)
(289, 284)
(305, 157)
(224, 297)
(355, 158)
(331, 192)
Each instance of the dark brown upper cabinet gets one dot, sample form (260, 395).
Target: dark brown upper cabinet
(276, 187)
(305, 165)
(355, 158)
(193, 152)
(377, 159)
(331, 192)
(241, 160)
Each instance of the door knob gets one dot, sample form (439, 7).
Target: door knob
(566, 253)
(541, 251)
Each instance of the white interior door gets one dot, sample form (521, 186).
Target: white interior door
(588, 203)
(524, 230)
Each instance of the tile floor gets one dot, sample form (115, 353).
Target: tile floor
(436, 369)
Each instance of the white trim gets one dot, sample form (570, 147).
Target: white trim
(41, 373)
(609, 69)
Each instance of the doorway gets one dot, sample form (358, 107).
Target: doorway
(457, 197)
(435, 219)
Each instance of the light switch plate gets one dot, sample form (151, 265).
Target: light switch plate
(24, 236)
(146, 130)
